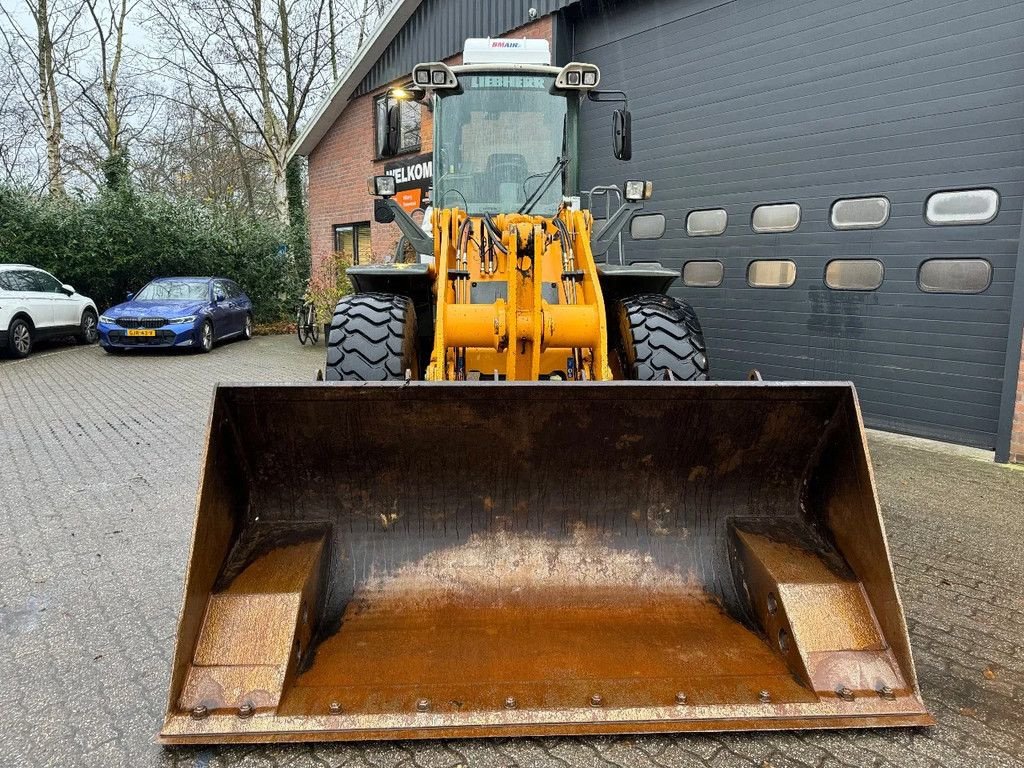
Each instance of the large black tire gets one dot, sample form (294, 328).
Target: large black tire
(660, 339)
(373, 338)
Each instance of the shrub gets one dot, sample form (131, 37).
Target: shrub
(328, 283)
(120, 240)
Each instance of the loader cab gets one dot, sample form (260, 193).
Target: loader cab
(506, 127)
(504, 139)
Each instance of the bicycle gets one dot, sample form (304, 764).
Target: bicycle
(306, 325)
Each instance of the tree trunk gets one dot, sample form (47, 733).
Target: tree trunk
(49, 102)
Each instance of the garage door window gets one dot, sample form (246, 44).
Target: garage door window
(703, 274)
(706, 223)
(779, 217)
(955, 276)
(854, 274)
(860, 213)
(965, 206)
(776, 273)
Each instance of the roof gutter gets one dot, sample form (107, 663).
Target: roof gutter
(332, 107)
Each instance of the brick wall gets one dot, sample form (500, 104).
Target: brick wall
(343, 160)
(1017, 435)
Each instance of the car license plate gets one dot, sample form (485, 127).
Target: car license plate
(141, 332)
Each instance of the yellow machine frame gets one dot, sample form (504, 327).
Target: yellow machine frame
(522, 337)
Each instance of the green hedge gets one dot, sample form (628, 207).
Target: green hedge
(119, 241)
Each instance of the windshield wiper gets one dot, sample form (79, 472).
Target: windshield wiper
(549, 179)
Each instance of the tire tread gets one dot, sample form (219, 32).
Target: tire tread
(372, 338)
(660, 335)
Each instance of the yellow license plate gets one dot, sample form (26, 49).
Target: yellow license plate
(141, 332)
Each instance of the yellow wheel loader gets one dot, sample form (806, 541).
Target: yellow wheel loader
(517, 506)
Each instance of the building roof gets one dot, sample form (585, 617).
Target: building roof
(332, 107)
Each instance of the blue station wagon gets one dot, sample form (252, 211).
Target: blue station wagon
(179, 312)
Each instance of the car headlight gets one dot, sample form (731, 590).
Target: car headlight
(108, 319)
(182, 320)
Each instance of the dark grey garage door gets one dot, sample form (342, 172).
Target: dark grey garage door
(817, 102)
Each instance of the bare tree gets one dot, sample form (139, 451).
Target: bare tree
(49, 44)
(262, 61)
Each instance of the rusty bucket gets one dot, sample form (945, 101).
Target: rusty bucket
(453, 560)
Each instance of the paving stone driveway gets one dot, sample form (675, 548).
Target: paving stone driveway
(98, 464)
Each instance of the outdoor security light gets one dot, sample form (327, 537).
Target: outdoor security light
(382, 186)
(638, 191)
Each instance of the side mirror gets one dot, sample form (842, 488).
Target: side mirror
(647, 226)
(129, 296)
(69, 290)
(622, 134)
(393, 131)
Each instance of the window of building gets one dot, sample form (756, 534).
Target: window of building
(778, 217)
(409, 135)
(854, 274)
(706, 223)
(955, 276)
(771, 273)
(352, 241)
(965, 206)
(703, 274)
(860, 213)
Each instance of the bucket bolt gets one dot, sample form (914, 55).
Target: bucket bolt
(423, 705)
(335, 708)
(511, 703)
(199, 712)
(596, 700)
(845, 694)
(887, 693)
(246, 710)
(680, 698)
(765, 697)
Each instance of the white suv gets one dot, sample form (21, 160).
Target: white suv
(35, 304)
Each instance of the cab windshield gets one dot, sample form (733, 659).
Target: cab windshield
(498, 141)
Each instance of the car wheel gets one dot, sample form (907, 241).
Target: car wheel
(89, 333)
(206, 336)
(247, 330)
(20, 338)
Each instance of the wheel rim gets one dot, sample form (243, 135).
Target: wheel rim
(248, 326)
(90, 329)
(207, 336)
(22, 338)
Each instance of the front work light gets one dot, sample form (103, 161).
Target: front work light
(382, 186)
(638, 191)
(437, 76)
(578, 77)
